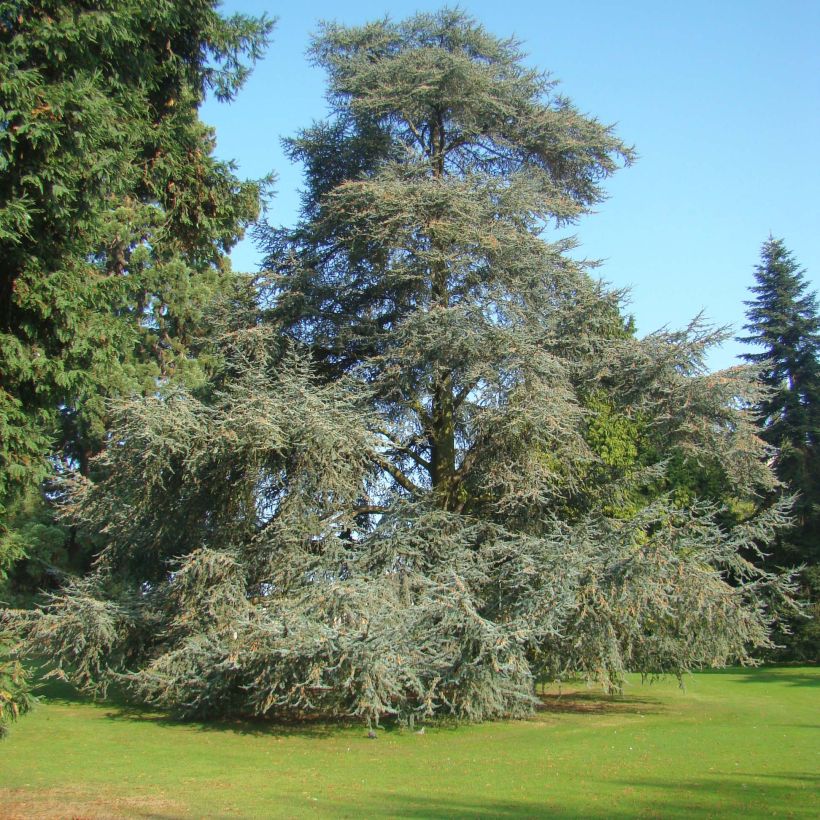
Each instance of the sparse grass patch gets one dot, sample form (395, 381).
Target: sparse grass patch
(734, 743)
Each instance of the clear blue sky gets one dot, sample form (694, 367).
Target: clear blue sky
(721, 100)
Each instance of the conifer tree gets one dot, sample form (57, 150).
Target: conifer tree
(115, 221)
(783, 321)
(421, 262)
(452, 498)
(114, 215)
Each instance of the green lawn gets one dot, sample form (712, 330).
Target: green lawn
(734, 743)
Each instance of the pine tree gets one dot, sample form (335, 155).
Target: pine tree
(783, 320)
(452, 498)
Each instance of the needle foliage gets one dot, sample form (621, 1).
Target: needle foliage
(115, 222)
(115, 217)
(439, 465)
(784, 326)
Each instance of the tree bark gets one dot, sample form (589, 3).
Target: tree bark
(442, 433)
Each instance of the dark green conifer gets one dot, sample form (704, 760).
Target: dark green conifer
(784, 323)
(114, 216)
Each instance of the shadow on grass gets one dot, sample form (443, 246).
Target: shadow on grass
(733, 794)
(597, 703)
(121, 709)
(786, 675)
(258, 727)
(392, 805)
(551, 702)
(749, 794)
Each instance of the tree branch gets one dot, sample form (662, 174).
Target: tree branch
(415, 132)
(402, 448)
(369, 509)
(398, 476)
(463, 393)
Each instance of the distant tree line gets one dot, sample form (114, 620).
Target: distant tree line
(418, 462)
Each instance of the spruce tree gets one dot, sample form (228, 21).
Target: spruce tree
(783, 321)
(420, 482)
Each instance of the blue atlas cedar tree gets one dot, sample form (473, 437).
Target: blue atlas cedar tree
(418, 483)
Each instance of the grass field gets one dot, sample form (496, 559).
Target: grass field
(740, 743)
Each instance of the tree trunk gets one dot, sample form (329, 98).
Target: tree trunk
(442, 434)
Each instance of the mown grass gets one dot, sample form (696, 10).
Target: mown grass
(738, 743)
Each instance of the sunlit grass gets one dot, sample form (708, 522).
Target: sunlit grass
(735, 743)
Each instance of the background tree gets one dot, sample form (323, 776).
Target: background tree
(452, 499)
(115, 218)
(783, 320)
(115, 221)
(114, 215)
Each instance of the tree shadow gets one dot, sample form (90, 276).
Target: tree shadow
(55, 690)
(597, 703)
(120, 708)
(786, 675)
(724, 794)
(730, 794)
(570, 701)
(307, 727)
(392, 805)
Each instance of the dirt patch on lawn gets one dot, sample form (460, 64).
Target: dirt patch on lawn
(67, 804)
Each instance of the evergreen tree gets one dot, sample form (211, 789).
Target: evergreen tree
(783, 320)
(453, 498)
(115, 221)
(420, 263)
(114, 215)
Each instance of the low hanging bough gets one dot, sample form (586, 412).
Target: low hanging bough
(242, 578)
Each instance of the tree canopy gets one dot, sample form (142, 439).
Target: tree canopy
(115, 217)
(783, 320)
(436, 464)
